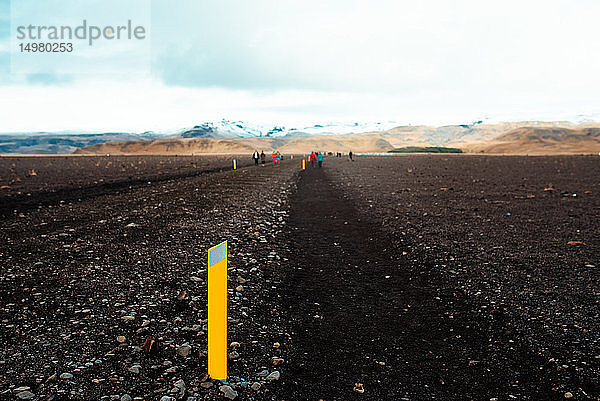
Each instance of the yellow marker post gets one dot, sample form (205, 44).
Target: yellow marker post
(234, 165)
(217, 311)
(292, 157)
(303, 164)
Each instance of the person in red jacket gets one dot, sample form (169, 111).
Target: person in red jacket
(312, 158)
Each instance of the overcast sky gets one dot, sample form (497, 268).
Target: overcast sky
(296, 62)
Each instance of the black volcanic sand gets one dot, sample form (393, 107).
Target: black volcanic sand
(419, 277)
(76, 275)
(27, 181)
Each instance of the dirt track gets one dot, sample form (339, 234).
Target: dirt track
(419, 277)
(445, 278)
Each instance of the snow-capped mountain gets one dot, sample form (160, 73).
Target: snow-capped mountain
(240, 129)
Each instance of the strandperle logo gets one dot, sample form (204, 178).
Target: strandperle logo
(85, 31)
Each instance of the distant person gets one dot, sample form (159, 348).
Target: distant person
(312, 158)
(278, 158)
(350, 155)
(262, 157)
(274, 156)
(320, 159)
(256, 156)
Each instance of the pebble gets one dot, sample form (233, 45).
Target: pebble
(25, 395)
(184, 350)
(134, 369)
(568, 394)
(125, 397)
(167, 398)
(234, 355)
(228, 392)
(66, 376)
(179, 388)
(22, 388)
(256, 386)
(275, 375)
(234, 344)
(121, 339)
(277, 361)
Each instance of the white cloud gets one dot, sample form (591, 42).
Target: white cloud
(429, 61)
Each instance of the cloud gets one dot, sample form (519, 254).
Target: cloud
(284, 61)
(383, 46)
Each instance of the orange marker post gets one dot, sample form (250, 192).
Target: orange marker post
(217, 311)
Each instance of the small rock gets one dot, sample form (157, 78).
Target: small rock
(276, 345)
(53, 377)
(22, 388)
(167, 398)
(184, 350)
(234, 345)
(256, 386)
(275, 375)
(358, 388)
(125, 397)
(66, 376)
(568, 394)
(25, 395)
(179, 388)
(277, 361)
(239, 288)
(228, 392)
(121, 339)
(234, 355)
(206, 384)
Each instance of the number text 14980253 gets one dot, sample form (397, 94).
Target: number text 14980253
(45, 47)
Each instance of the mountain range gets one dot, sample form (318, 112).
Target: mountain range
(525, 137)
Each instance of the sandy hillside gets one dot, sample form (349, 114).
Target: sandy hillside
(541, 141)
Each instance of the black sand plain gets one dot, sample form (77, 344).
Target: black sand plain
(405, 277)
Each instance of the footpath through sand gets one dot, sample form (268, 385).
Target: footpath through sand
(367, 306)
